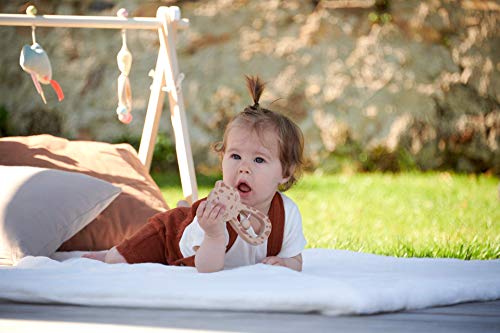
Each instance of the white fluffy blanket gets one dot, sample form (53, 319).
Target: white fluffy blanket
(333, 282)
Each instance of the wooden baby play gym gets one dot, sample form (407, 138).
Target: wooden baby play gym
(167, 77)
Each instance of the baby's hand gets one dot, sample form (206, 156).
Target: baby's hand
(275, 261)
(210, 218)
(294, 263)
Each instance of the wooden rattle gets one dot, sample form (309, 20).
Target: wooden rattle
(231, 199)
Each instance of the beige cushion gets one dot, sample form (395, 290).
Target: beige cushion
(41, 208)
(117, 164)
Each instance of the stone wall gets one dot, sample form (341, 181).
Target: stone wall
(384, 85)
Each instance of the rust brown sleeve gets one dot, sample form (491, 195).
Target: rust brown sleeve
(147, 244)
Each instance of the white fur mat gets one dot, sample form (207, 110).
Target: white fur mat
(333, 282)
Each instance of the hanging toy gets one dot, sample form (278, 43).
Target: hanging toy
(124, 60)
(34, 60)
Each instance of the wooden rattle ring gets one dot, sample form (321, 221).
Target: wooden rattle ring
(242, 229)
(231, 199)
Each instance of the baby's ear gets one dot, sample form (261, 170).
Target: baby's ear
(287, 174)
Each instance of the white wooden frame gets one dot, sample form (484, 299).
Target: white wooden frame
(167, 78)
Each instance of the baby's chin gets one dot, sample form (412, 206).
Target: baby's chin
(245, 197)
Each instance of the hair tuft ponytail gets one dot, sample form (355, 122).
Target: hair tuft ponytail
(256, 87)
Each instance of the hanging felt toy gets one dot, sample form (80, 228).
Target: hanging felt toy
(124, 60)
(34, 60)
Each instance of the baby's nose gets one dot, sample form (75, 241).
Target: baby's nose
(244, 168)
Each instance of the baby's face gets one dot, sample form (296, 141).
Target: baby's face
(251, 164)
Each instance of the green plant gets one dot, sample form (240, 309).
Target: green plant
(164, 155)
(382, 14)
(43, 121)
(4, 121)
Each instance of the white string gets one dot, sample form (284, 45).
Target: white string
(124, 39)
(33, 35)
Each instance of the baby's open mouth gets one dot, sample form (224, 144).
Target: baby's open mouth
(244, 187)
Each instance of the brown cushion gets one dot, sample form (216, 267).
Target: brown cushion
(115, 163)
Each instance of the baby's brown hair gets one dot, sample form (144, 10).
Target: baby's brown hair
(290, 137)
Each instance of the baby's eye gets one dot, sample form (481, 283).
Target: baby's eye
(259, 160)
(235, 157)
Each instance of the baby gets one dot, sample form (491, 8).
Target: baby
(262, 155)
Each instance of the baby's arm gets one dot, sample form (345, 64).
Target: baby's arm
(210, 255)
(294, 263)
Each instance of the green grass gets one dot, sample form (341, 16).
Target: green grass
(404, 215)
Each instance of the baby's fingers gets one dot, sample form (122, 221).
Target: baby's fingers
(275, 261)
(217, 212)
(201, 209)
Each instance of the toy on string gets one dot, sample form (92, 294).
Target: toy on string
(234, 209)
(124, 60)
(34, 60)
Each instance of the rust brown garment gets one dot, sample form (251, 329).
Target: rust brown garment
(158, 241)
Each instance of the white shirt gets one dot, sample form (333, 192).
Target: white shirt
(242, 253)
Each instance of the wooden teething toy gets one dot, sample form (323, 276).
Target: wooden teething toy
(234, 208)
